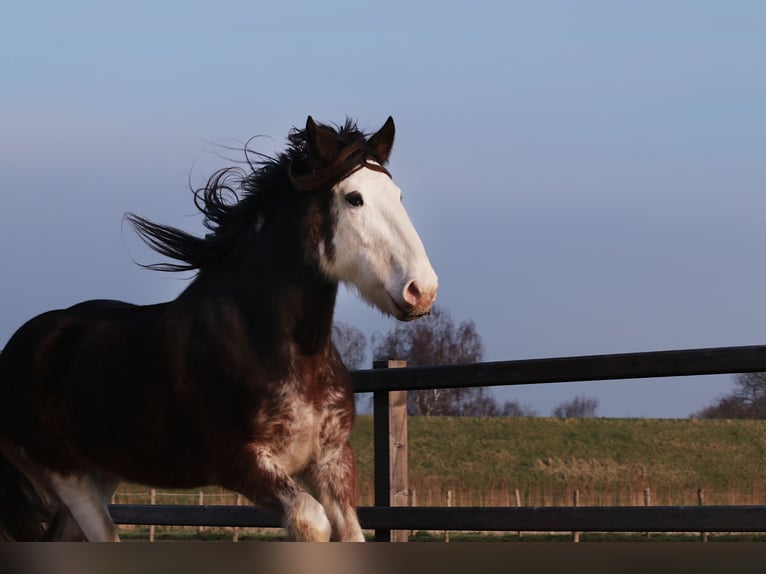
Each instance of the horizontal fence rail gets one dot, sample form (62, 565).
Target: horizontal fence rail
(508, 519)
(653, 364)
(384, 518)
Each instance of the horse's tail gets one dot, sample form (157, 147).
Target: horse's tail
(22, 509)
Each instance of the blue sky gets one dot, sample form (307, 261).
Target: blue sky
(588, 177)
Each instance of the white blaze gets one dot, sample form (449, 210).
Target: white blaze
(376, 247)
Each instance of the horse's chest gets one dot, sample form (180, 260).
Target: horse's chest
(295, 436)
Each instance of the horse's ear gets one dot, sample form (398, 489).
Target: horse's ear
(321, 142)
(383, 140)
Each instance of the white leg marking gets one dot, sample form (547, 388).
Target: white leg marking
(332, 479)
(84, 498)
(306, 519)
(345, 523)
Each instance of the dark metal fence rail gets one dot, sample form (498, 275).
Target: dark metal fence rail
(715, 361)
(529, 519)
(384, 518)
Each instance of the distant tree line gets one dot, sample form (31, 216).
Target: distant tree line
(436, 340)
(747, 401)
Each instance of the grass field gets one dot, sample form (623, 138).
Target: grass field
(609, 461)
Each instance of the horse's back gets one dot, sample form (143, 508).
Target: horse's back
(43, 370)
(109, 384)
(52, 339)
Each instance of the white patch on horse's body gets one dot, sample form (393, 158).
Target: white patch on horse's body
(376, 248)
(302, 428)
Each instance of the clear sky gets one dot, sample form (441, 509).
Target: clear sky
(588, 177)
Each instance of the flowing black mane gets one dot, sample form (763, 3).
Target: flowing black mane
(233, 199)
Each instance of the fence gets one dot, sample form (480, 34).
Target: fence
(391, 515)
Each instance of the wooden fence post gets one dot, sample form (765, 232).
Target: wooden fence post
(575, 504)
(701, 501)
(152, 501)
(648, 502)
(413, 504)
(201, 502)
(235, 535)
(390, 446)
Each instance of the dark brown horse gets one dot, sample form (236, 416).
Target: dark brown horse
(236, 382)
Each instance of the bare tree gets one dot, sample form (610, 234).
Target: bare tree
(479, 403)
(351, 344)
(516, 409)
(748, 401)
(578, 407)
(436, 340)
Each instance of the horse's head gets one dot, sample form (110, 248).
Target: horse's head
(374, 247)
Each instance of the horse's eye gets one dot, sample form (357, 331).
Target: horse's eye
(354, 199)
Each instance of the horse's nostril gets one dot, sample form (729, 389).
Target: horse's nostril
(412, 293)
(419, 297)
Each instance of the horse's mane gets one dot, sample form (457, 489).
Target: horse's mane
(234, 197)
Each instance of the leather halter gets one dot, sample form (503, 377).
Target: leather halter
(374, 166)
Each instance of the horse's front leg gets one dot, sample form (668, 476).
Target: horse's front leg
(261, 478)
(333, 480)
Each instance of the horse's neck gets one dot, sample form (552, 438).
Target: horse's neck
(276, 298)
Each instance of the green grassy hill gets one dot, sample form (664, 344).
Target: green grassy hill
(610, 461)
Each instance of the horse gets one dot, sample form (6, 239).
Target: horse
(234, 383)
